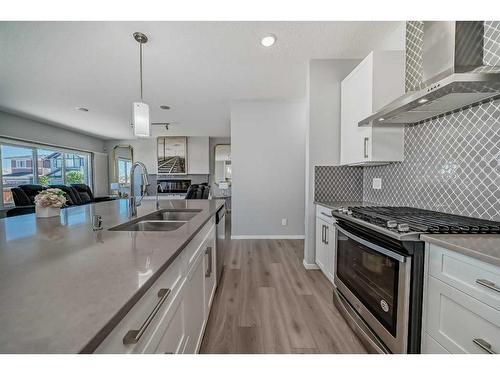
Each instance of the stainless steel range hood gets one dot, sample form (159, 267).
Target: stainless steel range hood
(454, 75)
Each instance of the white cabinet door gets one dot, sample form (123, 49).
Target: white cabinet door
(194, 309)
(459, 322)
(431, 346)
(210, 273)
(356, 104)
(330, 245)
(374, 83)
(320, 243)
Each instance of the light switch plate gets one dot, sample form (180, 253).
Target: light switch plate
(377, 183)
(284, 221)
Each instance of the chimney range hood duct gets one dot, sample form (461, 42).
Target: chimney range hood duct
(454, 75)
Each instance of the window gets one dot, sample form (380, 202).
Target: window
(124, 166)
(15, 170)
(76, 167)
(25, 163)
(49, 167)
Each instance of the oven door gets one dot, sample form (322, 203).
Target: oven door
(375, 279)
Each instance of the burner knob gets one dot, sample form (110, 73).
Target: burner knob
(391, 224)
(403, 228)
(345, 210)
(349, 212)
(340, 209)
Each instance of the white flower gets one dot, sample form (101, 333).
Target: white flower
(50, 198)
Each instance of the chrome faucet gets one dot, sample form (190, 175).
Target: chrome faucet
(132, 201)
(158, 186)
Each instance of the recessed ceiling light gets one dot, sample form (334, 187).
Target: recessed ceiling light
(268, 40)
(82, 109)
(381, 119)
(165, 107)
(423, 100)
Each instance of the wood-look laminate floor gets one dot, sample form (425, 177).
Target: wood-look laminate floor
(268, 303)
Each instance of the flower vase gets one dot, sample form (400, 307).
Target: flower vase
(47, 211)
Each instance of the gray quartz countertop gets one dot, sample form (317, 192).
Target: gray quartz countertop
(485, 247)
(63, 285)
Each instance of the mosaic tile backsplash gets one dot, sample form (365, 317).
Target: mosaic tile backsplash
(338, 183)
(451, 164)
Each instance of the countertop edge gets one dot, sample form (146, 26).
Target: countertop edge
(101, 335)
(434, 239)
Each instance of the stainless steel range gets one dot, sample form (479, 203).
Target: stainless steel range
(379, 269)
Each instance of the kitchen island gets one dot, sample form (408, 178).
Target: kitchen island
(64, 287)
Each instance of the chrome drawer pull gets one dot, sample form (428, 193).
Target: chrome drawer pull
(330, 216)
(488, 284)
(365, 147)
(134, 335)
(208, 251)
(483, 344)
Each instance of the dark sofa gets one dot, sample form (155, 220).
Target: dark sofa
(76, 195)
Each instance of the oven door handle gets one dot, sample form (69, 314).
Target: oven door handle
(400, 258)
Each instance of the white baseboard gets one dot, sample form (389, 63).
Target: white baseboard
(269, 237)
(310, 266)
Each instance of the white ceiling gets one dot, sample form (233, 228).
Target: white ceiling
(49, 68)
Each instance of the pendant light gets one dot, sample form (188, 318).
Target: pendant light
(140, 110)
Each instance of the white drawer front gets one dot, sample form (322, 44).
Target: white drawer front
(431, 346)
(174, 329)
(455, 319)
(324, 213)
(170, 279)
(190, 252)
(466, 274)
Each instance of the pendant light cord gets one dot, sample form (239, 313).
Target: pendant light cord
(140, 65)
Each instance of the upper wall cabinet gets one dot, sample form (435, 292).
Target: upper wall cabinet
(374, 83)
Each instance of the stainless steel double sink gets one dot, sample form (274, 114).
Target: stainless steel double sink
(163, 220)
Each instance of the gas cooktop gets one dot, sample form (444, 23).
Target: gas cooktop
(409, 223)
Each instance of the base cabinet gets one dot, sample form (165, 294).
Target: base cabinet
(195, 316)
(326, 242)
(461, 310)
(210, 272)
(171, 316)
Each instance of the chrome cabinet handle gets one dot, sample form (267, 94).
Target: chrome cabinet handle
(483, 344)
(323, 234)
(330, 216)
(488, 284)
(134, 335)
(365, 147)
(208, 251)
(326, 235)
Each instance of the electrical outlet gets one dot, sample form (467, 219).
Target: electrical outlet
(377, 183)
(284, 221)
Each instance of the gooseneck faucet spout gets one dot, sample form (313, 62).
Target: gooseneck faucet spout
(133, 202)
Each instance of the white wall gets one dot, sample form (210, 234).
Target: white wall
(268, 159)
(22, 128)
(323, 131)
(145, 150)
